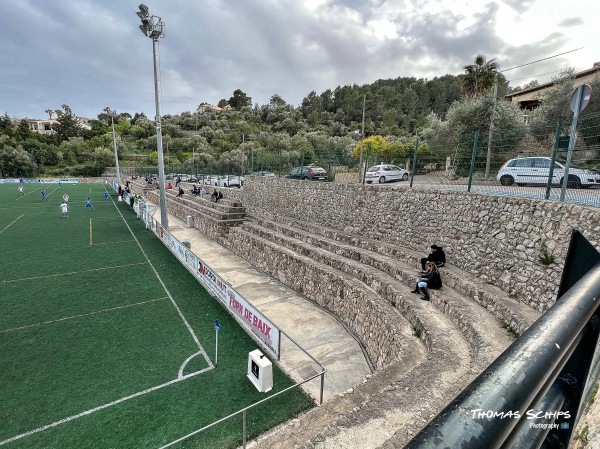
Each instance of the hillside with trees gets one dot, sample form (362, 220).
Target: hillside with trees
(325, 129)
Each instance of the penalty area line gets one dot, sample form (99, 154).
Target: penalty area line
(102, 407)
(73, 272)
(113, 243)
(11, 224)
(82, 315)
(29, 193)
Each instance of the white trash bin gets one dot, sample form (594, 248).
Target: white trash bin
(190, 221)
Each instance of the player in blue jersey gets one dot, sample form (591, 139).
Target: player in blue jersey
(106, 195)
(44, 197)
(88, 203)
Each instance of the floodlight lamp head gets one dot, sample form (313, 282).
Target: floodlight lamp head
(144, 29)
(143, 10)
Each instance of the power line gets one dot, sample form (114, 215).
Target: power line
(539, 60)
(533, 76)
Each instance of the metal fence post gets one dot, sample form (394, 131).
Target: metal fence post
(322, 388)
(329, 162)
(244, 429)
(473, 155)
(414, 166)
(556, 144)
(366, 164)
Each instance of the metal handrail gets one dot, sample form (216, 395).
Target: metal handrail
(489, 413)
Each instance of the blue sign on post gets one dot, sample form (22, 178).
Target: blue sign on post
(217, 326)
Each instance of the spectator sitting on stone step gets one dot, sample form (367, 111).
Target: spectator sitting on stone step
(429, 279)
(436, 255)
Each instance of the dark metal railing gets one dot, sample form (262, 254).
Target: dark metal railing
(535, 392)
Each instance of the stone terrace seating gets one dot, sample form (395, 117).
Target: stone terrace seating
(514, 316)
(213, 219)
(462, 337)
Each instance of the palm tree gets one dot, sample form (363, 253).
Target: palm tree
(49, 112)
(480, 76)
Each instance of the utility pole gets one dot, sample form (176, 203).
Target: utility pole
(488, 160)
(112, 121)
(243, 156)
(362, 141)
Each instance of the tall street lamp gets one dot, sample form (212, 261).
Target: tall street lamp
(154, 28)
(112, 121)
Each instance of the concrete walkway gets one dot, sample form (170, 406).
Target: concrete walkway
(316, 330)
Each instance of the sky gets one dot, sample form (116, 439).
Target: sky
(91, 54)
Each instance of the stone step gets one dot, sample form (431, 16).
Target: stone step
(354, 303)
(223, 213)
(222, 206)
(394, 399)
(392, 280)
(515, 316)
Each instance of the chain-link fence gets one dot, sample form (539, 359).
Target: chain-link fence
(523, 161)
(280, 163)
(518, 160)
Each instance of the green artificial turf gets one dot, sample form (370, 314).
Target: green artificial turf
(91, 343)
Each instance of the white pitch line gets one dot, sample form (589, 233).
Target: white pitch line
(11, 224)
(114, 243)
(28, 193)
(184, 364)
(185, 321)
(101, 407)
(72, 317)
(72, 272)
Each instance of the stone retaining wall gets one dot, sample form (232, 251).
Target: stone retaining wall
(354, 304)
(498, 239)
(211, 226)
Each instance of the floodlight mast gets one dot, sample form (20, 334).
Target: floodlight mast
(154, 28)
(112, 121)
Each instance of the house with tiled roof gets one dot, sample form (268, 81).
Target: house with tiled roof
(531, 98)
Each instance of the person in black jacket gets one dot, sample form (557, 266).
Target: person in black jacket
(436, 255)
(430, 279)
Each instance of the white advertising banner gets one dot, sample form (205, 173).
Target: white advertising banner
(246, 314)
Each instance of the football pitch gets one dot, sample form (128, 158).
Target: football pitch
(106, 340)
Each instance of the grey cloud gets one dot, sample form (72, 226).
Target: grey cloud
(543, 71)
(571, 22)
(91, 54)
(519, 5)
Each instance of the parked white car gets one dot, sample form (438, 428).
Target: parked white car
(212, 180)
(229, 181)
(536, 170)
(385, 173)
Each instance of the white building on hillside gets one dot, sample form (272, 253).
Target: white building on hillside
(44, 126)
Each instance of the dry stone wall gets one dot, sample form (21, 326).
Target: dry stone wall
(354, 304)
(212, 220)
(498, 239)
